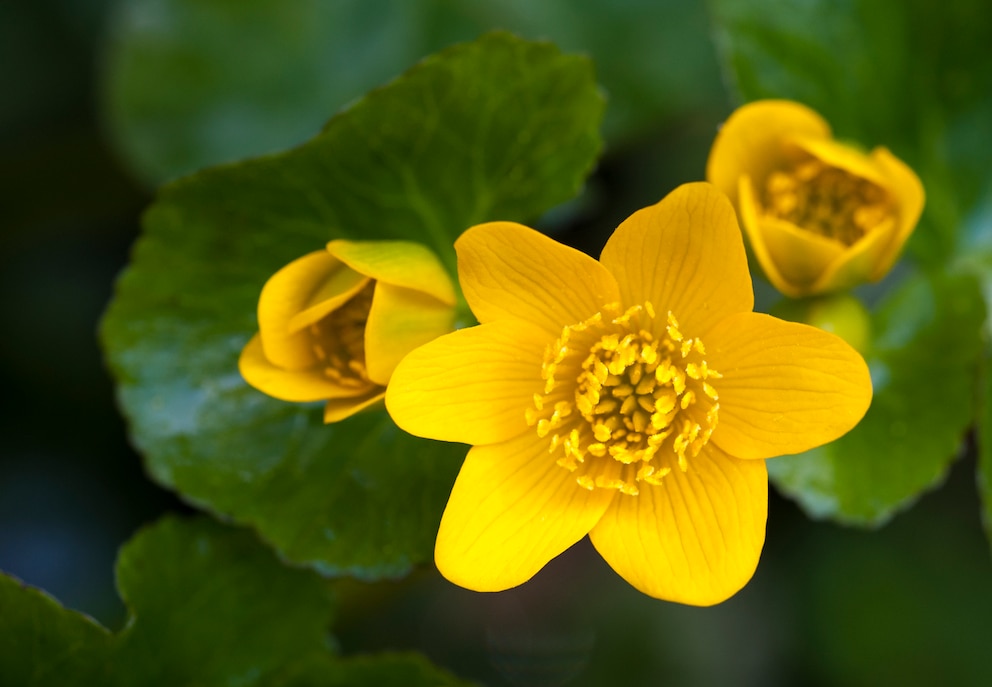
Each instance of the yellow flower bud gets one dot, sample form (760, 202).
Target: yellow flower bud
(334, 323)
(820, 215)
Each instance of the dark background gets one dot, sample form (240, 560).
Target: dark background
(908, 604)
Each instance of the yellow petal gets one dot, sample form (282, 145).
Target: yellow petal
(684, 254)
(400, 320)
(841, 156)
(288, 292)
(508, 271)
(858, 263)
(752, 221)
(400, 263)
(338, 409)
(696, 537)
(341, 286)
(288, 385)
(512, 510)
(786, 387)
(751, 141)
(800, 257)
(473, 385)
(903, 183)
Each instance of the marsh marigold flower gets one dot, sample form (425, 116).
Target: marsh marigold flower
(820, 215)
(334, 323)
(632, 399)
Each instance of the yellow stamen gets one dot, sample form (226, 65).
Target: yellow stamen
(828, 201)
(618, 390)
(338, 340)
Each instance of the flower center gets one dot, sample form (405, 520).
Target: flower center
(626, 398)
(339, 340)
(827, 201)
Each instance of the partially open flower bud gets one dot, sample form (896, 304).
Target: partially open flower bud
(820, 215)
(334, 323)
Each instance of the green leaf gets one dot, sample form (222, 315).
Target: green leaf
(381, 670)
(197, 82)
(209, 605)
(496, 129)
(915, 76)
(191, 83)
(925, 351)
(42, 643)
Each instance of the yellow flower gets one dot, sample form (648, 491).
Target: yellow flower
(334, 323)
(820, 215)
(633, 399)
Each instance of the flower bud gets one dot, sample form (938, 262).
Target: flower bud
(334, 323)
(820, 215)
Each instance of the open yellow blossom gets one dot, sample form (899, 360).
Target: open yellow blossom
(334, 323)
(820, 215)
(632, 399)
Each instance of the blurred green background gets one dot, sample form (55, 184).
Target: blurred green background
(101, 101)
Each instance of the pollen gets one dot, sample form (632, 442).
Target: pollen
(827, 201)
(338, 341)
(627, 397)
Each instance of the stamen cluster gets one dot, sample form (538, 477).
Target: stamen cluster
(339, 340)
(626, 397)
(828, 201)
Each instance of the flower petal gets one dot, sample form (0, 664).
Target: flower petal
(512, 510)
(859, 262)
(288, 385)
(841, 156)
(508, 271)
(684, 254)
(338, 409)
(696, 537)
(341, 286)
(792, 258)
(400, 263)
(751, 220)
(751, 141)
(472, 386)
(400, 320)
(288, 292)
(910, 197)
(786, 387)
